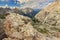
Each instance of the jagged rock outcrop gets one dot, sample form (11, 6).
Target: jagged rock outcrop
(18, 27)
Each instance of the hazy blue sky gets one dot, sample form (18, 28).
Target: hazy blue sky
(23, 4)
(9, 2)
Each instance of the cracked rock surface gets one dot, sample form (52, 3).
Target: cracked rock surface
(18, 27)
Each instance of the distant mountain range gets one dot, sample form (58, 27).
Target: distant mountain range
(25, 12)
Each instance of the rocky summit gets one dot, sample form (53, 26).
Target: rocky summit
(18, 27)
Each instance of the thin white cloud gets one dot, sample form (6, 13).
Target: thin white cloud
(34, 3)
(22, 1)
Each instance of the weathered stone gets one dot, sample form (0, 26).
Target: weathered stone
(49, 14)
(18, 26)
(10, 39)
(49, 17)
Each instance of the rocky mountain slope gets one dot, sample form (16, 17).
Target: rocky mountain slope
(53, 7)
(18, 27)
(49, 20)
(44, 26)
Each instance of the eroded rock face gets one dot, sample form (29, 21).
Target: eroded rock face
(50, 15)
(18, 27)
(49, 12)
(49, 18)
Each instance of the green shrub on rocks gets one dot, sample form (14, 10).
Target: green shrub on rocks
(2, 16)
(56, 29)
